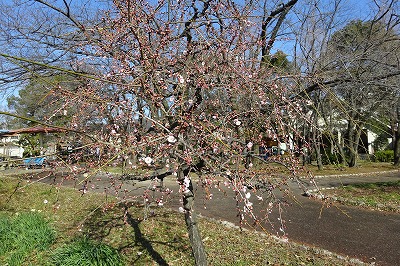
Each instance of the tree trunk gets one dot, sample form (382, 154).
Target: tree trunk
(354, 134)
(196, 241)
(339, 145)
(352, 158)
(316, 143)
(396, 147)
(317, 148)
(396, 134)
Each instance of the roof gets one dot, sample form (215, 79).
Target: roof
(30, 130)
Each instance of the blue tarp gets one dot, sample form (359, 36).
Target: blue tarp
(39, 161)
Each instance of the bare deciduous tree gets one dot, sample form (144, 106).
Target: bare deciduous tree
(355, 66)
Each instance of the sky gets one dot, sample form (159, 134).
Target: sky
(355, 9)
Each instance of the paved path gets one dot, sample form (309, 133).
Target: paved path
(371, 236)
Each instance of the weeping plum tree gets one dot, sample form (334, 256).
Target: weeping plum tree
(178, 85)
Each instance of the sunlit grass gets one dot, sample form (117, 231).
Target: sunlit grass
(363, 167)
(380, 195)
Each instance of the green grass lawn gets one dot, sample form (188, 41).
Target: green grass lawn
(363, 167)
(377, 196)
(23, 235)
(89, 228)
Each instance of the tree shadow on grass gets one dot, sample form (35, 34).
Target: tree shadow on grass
(103, 225)
(142, 240)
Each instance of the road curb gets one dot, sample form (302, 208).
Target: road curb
(359, 174)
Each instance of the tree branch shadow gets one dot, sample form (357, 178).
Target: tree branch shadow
(102, 224)
(134, 223)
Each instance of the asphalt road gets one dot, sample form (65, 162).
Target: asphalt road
(371, 236)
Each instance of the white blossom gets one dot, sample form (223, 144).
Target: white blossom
(171, 139)
(186, 184)
(45, 201)
(248, 195)
(148, 160)
(237, 122)
(249, 145)
(181, 79)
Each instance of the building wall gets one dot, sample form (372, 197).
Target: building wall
(371, 138)
(9, 147)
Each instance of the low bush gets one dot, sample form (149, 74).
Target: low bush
(331, 158)
(386, 156)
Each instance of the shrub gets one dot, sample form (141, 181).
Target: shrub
(83, 252)
(384, 156)
(330, 158)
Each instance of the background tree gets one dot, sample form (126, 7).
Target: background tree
(362, 54)
(355, 67)
(40, 100)
(395, 120)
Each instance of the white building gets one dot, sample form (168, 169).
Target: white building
(9, 147)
